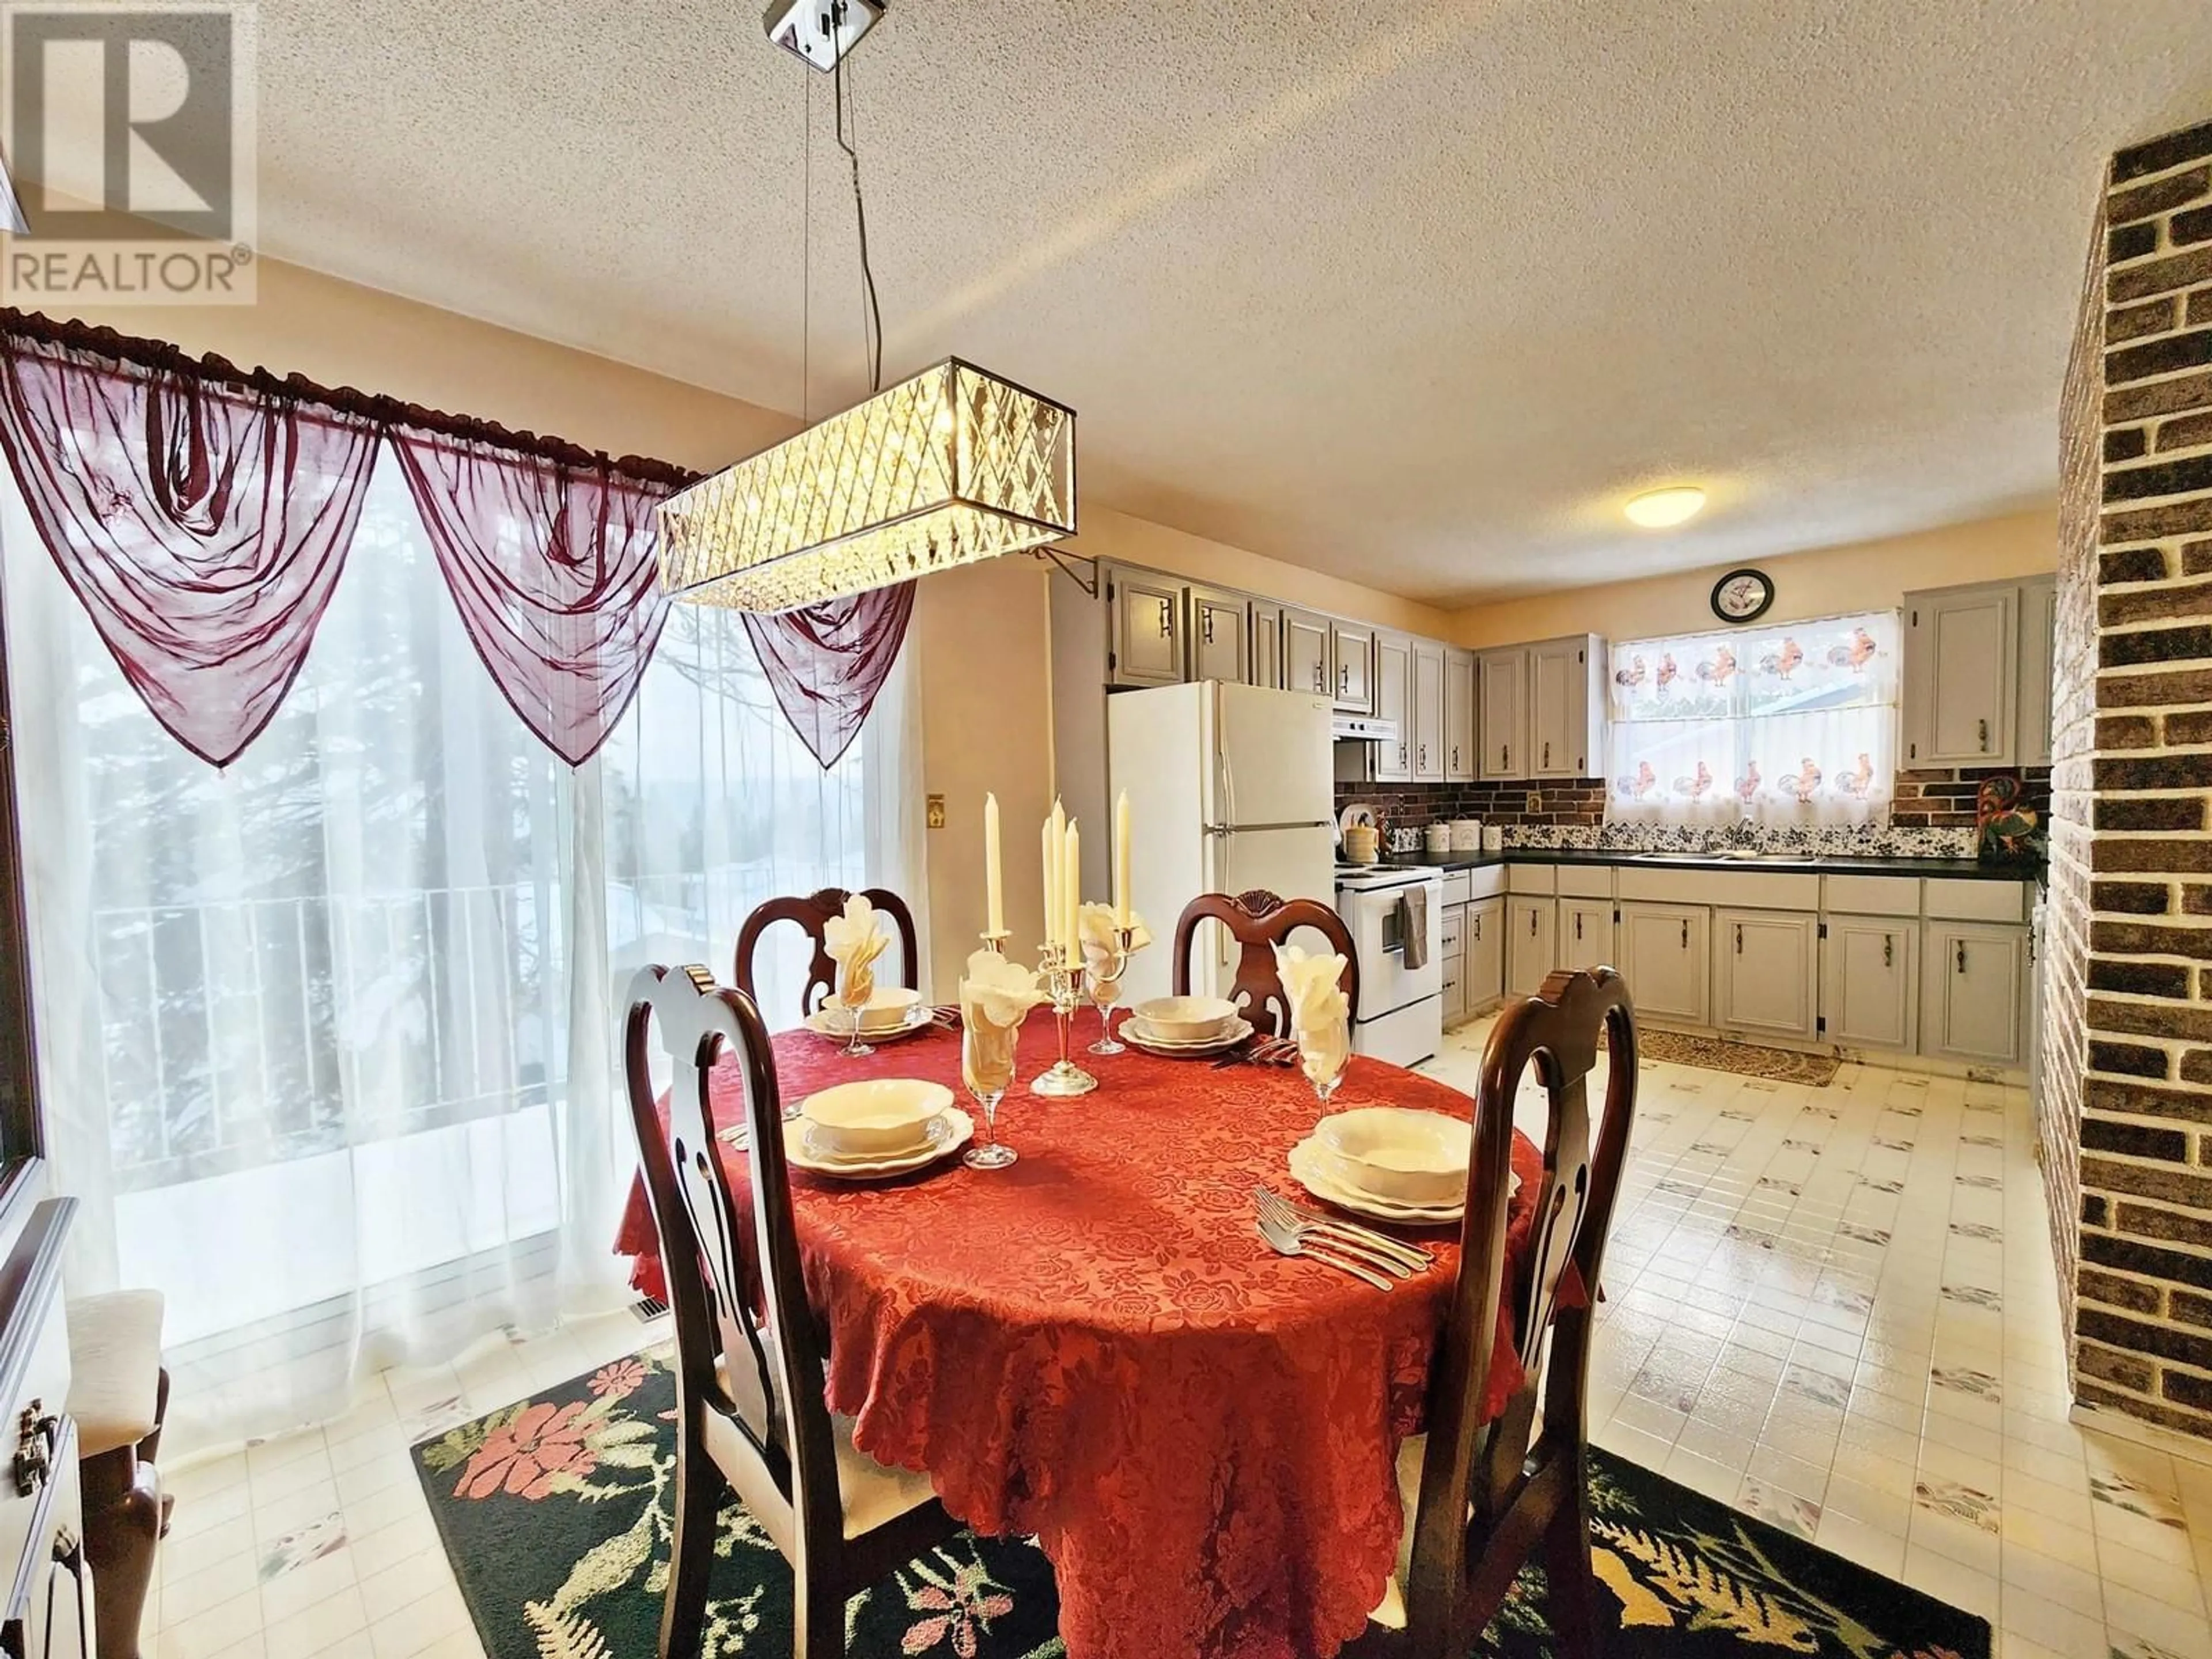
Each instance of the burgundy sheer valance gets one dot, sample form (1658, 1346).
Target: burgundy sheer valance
(203, 514)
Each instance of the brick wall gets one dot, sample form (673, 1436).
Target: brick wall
(2134, 645)
(1943, 798)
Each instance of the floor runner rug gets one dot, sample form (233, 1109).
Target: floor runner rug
(555, 1512)
(1744, 1058)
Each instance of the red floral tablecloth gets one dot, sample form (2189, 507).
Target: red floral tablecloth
(1095, 1345)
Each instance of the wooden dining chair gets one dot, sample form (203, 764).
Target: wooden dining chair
(1480, 1495)
(1258, 921)
(749, 1412)
(812, 914)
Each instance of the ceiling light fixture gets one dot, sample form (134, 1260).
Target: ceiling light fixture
(951, 467)
(1662, 509)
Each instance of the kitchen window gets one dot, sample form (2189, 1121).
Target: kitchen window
(1794, 724)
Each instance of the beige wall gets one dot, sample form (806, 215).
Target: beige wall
(1861, 576)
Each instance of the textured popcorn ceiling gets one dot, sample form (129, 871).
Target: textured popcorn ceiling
(1414, 295)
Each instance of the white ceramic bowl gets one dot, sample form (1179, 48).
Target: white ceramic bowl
(1396, 1152)
(1187, 1019)
(883, 1115)
(887, 1010)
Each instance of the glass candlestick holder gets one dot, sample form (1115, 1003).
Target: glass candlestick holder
(1063, 978)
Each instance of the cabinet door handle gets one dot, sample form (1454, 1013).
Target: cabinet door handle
(1455, 759)
(1982, 739)
(1738, 939)
(1318, 682)
(1578, 924)
(1532, 923)
(1686, 932)
(1167, 621)
(1962, 956)
(1504, 756)
(1546, 761)
(1888, 952)
(1478, 928)
(1209, 628)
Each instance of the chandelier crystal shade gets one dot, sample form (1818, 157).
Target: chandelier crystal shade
(950, 467)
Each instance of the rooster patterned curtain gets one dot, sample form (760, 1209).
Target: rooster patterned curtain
(1793, 725)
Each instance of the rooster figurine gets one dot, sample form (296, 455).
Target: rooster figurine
(1665, 677)
(1856, 653)
(1807, 783)
(1721, 668)
(1696, 787)
(1632, 676)
(1747, 786)
(1857, 781)
(1783, 663)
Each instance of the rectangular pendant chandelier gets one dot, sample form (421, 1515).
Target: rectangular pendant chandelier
(952, 467)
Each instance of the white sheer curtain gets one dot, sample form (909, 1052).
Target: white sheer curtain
(1789, 725)
(327, 1037)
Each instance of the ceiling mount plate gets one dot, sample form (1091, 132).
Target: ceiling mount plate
(821, 32)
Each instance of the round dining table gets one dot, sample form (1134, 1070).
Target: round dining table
(1094, 1345)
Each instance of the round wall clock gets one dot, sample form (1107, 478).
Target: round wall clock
(1742, 596)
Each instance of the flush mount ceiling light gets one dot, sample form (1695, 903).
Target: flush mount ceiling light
(952, 467)
(1660, 509)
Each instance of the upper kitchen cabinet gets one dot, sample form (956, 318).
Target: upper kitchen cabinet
(1220, 627)
(2039, 601)
(1566, 718)
(1501, 708)
(1459, 717)
(1962, 648)
(1308, 662)
(1428, 712)
(1393, 686)
(1268, 644)
(1352, 652)
(1146, 639)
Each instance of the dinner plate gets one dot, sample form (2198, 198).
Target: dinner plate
(959, 1129)
(1137, 1038)
(828, 1023)
(1310, 1167)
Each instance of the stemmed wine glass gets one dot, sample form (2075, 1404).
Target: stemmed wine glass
(855, 1048)
(1104, 994)
(987, 1068)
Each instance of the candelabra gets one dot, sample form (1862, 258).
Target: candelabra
(1063, 978)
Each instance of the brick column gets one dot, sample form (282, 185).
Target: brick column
(2127, 1106)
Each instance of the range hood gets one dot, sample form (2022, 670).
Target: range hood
(1363, 728)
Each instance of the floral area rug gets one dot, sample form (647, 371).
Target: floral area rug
(556, 1513)
(1744, 1058)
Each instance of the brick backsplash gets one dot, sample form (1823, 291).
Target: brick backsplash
(2124, 1117)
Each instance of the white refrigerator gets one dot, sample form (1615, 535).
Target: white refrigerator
(1230, 788)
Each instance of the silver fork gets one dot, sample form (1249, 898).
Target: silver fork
(1402, 1258)
(1284, 1242)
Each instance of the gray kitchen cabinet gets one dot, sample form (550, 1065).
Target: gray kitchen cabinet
(1147, 636)
(1585, 932)
(1351, 654)
(2038, 605)
(1973, 982)
(1394, 685)
(1266, 649)
(1428, 712)
(1220, 635)
(1451, 960)
(1870, 980)
(1501, 708)
(1531, 942)
(1665, 953)
(1961, 665)
(1307, 665)
(1564, 719)
(1459, 716)
(1482, 977)
(1766, 972)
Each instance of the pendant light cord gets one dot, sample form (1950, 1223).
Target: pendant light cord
(872, 320)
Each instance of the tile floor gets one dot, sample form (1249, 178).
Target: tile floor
(1832, 1308)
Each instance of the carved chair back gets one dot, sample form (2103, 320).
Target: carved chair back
(1257, 922)
(812, 914)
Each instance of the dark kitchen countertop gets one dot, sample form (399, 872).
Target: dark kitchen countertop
(1786, 863)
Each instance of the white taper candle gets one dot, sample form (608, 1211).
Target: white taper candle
(993, 900)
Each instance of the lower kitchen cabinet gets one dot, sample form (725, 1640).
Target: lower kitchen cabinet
(1665, 953)
(1451, 958)
(1765, 972)
(1973, 984)
(1482, 979)
(1531, 942)
(1586, 934)
(1871, 981)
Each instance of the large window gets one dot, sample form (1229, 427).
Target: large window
(1795, 725)
(328, 1033)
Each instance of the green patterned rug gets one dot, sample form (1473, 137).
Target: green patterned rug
(555, 1512)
